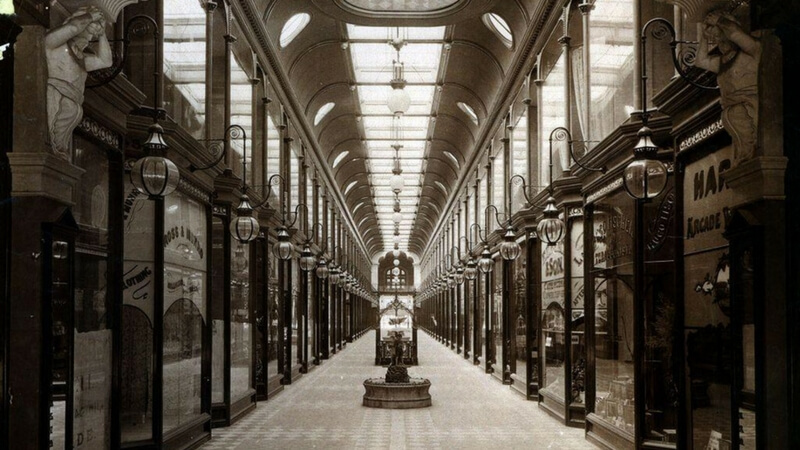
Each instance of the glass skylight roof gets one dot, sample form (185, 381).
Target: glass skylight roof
(372, 60)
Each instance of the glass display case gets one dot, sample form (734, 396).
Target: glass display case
(552, 330)
(233, 323)
(138, 292)
(518, 309)
(185, 309)
(498, 355)
(610, 399)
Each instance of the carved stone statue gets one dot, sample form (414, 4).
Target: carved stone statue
(76, 47)
(735, 61)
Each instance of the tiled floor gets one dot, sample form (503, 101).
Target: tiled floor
(471, 410)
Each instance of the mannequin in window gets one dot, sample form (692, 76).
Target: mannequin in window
(76, 47)
(735, 60)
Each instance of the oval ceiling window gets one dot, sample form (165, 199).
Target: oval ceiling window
(339, 158)
(358, 206)
(468, 111)
(499, 27)
(322, 112)
(293, 27)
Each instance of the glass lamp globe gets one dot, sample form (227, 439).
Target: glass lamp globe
(155, 175)
(397, 183)
(396, 252)
(459, 276)
(485, 264)
(471, 272)
(322, 268)
(397, 218)
(399, 101)
(551, 228)
(334, 274)
(645, 177)
(283, 248)
(510, 249)
(395, 271)
(396, 262)
(244, 228)
(307, 260)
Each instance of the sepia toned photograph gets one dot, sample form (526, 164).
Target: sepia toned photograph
(399, 224)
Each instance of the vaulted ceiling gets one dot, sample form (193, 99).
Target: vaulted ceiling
(456, 60)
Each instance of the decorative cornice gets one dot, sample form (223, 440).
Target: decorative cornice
(100, 133)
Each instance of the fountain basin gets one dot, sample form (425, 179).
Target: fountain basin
(380, 394)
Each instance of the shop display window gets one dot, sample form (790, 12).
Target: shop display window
(577, 314)
(241, 326)
(92, 339)
(297, 308)
(219, 235)
(553, 321)
(136, 377)
(612, 272)
(497, 318)
(185, 64)
(708, 332)
(519, 313)
(185, 272)
(272, 314)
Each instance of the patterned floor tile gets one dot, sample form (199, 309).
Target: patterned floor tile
(470, 411)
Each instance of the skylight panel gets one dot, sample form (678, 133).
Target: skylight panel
(452, 158)
(322, 112)
(441, 186)
(357, 206)
(500, 28)
(293, 27)
(468, 111)
(384, 33)
(350, 187)
(339, 158)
